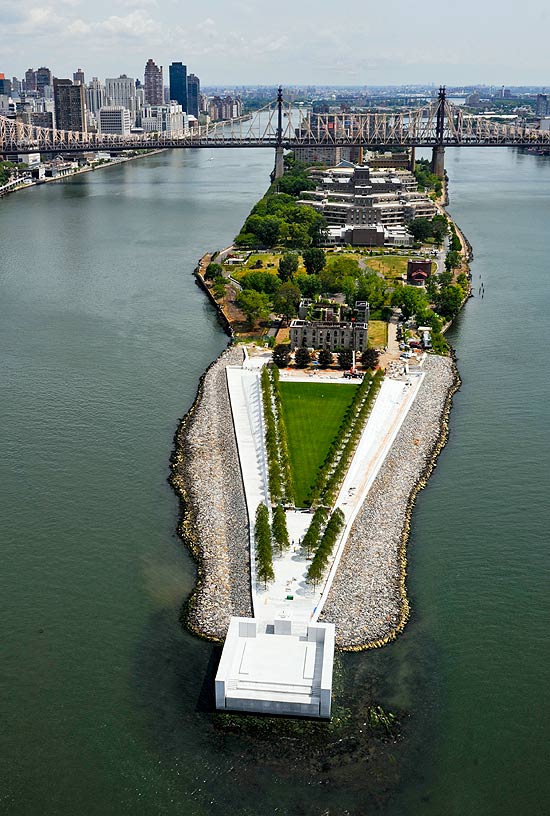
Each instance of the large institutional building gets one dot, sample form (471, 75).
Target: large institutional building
(366, 206)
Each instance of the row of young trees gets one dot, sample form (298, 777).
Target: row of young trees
(325, 547)
(310, 541)
(264, 550)
(340, 454)
(276, 443)
(264, 537)
(271, 442)
(284, 456)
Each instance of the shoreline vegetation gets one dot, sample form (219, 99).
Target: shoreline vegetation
(368, 600)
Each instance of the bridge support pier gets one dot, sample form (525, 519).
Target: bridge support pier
(279, 169)
(438, 160)
(412, 158)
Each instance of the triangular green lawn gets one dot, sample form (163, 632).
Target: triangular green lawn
(313, 413)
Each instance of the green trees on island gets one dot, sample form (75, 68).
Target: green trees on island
(342, 448)
(325, 547)
(287, 300)
(264, 551)
(255, 305)
(288, 265)
(302, 357)
(281, 355)
(314, 260)
(277, 220)
(325, 358)
(279, 529)
(276, 443)
(310, 541)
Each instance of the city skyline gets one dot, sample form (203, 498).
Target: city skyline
(424, 44)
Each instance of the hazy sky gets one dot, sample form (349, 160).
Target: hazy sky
(365, 42)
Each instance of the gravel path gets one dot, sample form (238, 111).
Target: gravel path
(367, 600)
(206, 474)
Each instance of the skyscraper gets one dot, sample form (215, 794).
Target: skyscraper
(43, 78)
(69, 105)
(193, 95)
(5, 85)
(154, 92)
(95, 95)
(178, 84)
(30, 79)
(78, 77)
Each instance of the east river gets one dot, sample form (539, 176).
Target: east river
(105, 698)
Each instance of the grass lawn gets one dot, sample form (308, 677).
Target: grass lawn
(391, 266)
(378, 333)
(313, 413)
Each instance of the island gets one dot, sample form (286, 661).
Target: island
(310, 436)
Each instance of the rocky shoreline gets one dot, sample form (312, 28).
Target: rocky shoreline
(368, 601)
(206, 475)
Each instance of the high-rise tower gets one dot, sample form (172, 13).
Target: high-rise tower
(193, 95)
(154, 91)
(69, 105)
(178, 84)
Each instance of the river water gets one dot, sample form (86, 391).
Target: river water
(105, 698)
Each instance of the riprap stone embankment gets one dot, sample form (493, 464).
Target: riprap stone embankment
(206, 474)
(367, 601)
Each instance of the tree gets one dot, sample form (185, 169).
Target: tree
(287, 300)
(309, 285)
(288, 265)
(266, 229)
(369, 358)
(452, 260)
(254, 304)
(345, 359)
(218, 287)
(314, 260)
(302, 357)
(213, 270)
(450, 300)
(279, 528)
(298, 235)
(261, 281)
(325, 358)
(281, 355)
(421, 229)
(372, 288)
(262, 543)
(410, 299)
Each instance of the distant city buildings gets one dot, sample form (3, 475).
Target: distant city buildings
(178, 84)
(193, 95)
(154, 89)
(115, 119)
(78, 77)
(95, 95)
(70, 105)
(227, 107)
(168, 119)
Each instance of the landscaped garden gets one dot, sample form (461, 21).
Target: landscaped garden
(313, 414)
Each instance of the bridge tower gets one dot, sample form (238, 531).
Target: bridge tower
(438, 150)
(279, 169)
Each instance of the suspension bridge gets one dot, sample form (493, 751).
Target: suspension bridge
(438, 125)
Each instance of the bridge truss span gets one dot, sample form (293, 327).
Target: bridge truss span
(438, 124)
